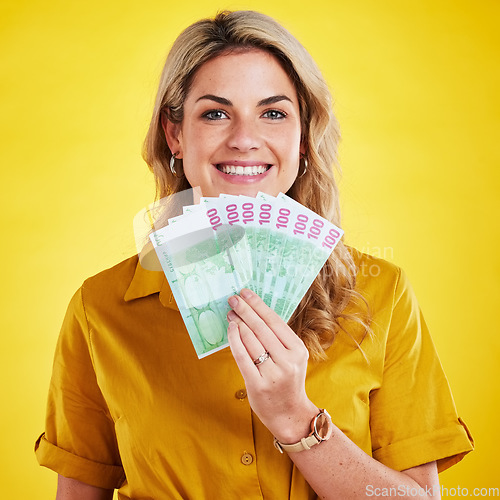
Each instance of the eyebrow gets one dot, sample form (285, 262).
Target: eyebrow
(226, 102)
(220, 100)
(273, 100)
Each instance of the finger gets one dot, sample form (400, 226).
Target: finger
(240, 354)
(243, 314)
(253, 345)
(267, 316)
(232, 316)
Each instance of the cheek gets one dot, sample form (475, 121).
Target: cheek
(290, 153)
(288, 141)
(200, 143)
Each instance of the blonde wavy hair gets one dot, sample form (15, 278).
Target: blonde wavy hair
(320, 314)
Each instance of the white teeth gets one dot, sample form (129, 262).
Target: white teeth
(239, 170)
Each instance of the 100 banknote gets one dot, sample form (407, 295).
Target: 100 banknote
(274, 246)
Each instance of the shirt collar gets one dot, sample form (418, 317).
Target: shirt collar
(146, 283)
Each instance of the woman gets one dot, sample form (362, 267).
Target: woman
(242, 108)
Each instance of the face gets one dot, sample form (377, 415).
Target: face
(241, 129)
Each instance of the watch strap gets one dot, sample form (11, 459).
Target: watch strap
(304, 444)
(313, 438)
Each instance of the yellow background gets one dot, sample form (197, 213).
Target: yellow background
(416, 87)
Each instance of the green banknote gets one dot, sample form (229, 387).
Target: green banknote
(295, 265)
(272, 245)
(203, 270)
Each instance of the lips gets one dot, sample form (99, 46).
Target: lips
(245, 170)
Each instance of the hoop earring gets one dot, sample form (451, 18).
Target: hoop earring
(172, 164)
(306, 164)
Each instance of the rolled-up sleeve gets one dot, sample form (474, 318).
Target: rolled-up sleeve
(79, 441)
(413, 418)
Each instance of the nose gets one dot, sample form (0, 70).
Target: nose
(244, 135)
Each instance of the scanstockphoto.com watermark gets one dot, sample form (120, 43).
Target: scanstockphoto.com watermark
(431, 492)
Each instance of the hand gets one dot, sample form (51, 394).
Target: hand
(276, 387)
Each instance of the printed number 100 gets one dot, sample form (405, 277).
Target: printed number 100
(282, 220)
(331, 239)
(301, 226)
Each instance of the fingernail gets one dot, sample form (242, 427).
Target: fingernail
(231, 315)
(246, 293)
(233, 301)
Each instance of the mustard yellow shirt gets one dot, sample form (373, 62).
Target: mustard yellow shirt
(132, 407)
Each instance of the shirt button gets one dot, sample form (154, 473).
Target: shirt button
(246, 459)
(241, 394)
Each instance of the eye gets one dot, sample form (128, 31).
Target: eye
(215, 114)
(274, 114)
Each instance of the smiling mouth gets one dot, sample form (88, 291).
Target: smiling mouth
(240, 170)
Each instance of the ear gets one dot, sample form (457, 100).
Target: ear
(173, 134)
(303, 147)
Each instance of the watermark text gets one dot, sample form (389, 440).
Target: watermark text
(431, 492)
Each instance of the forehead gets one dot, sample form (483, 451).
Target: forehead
(240, 72)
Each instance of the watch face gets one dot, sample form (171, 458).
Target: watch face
(323, 426)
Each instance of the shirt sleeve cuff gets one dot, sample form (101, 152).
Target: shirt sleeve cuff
(445, 446)
(82, 469)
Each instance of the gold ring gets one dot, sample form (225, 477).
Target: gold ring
(263, 357)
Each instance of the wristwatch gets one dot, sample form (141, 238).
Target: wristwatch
(321, 430)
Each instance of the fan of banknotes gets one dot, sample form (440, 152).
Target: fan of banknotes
(273, 245)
